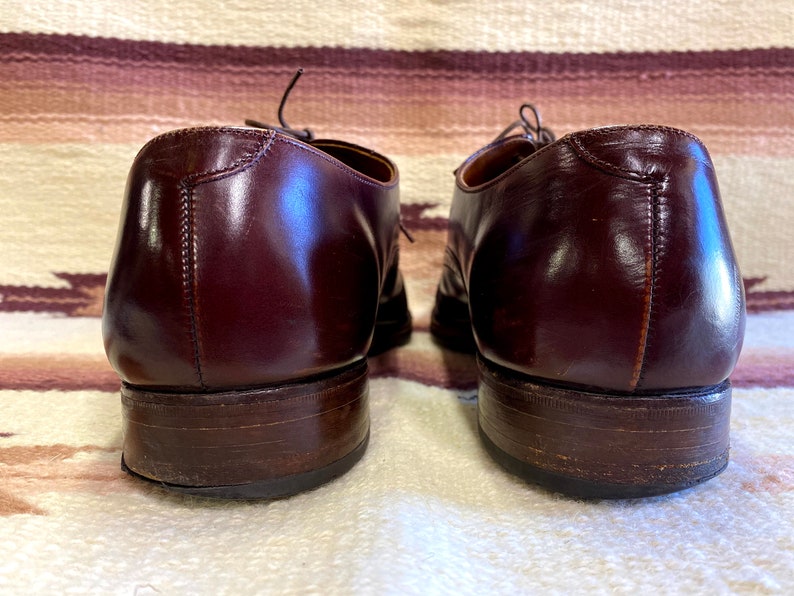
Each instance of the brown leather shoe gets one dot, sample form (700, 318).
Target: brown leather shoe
(252, 270)
(596, 279)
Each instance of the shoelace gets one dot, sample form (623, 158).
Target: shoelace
(305, 135)
(302, 135)
(535, 131)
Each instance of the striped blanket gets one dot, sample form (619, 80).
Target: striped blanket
(84, 85)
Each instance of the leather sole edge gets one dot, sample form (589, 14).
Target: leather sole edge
(275, 440)
(594, 445)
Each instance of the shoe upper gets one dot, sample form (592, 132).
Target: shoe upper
(246, 257)
(601, 259)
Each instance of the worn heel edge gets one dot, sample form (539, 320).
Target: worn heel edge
(600, 445)
(277, 488)
(586, 489)
(274, 439)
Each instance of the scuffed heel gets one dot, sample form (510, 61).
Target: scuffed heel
(595, 445)
(259, 443)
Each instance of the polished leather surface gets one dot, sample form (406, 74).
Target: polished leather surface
(600, 260)
(246, 257)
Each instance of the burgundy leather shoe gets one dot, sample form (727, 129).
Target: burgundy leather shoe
(595, 278)
(253, 272)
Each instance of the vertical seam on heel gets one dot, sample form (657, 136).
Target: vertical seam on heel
(188, 233)
(651, 265)
(188, 272)
(657, 252)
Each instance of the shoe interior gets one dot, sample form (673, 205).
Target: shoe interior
(496, 160)
(362, 160)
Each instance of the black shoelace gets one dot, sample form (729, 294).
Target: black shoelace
(534, 130)
(302, 135)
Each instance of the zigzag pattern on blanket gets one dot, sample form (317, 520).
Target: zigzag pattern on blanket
(434, 99)
(70, 101)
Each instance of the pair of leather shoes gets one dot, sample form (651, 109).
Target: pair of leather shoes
(256, 268)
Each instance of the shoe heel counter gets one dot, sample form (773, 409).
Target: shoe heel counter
(630, 283)
(245, 258)
(696, 316)
(694, 326)
(149, 322)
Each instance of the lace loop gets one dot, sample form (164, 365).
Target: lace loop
(302, 135)
(534, 130)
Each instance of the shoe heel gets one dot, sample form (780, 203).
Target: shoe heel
(603, 446)
(258, 443)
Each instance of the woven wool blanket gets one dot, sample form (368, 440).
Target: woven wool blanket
(83, 85)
